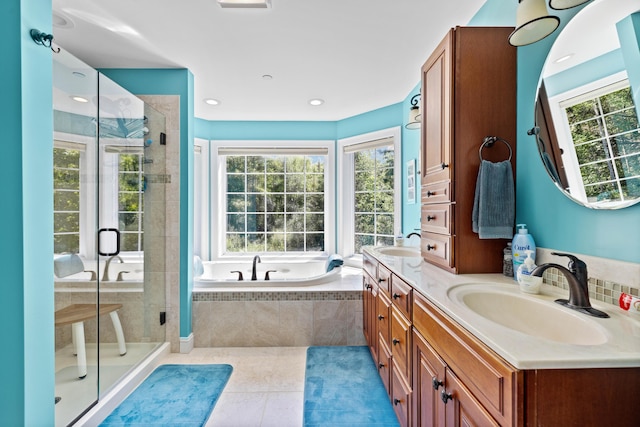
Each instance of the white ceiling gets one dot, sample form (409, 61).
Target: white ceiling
(357, 55)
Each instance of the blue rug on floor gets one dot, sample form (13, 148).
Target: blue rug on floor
(173, 395)
(342, 387)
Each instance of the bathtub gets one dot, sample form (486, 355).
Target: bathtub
(281, 274)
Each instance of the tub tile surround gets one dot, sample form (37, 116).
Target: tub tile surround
(607, 278)
(328, 314)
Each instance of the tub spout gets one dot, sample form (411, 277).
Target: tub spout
(105, 274)
(256, 259)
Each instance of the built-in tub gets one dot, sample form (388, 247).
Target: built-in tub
(218, 274)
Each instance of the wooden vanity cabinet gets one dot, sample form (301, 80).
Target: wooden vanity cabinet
(457, 380)
(468, 93)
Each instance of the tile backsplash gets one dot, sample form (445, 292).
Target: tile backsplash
(607, 278)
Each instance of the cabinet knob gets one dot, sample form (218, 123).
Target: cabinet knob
(380, 317)
(436, 384)
(444, 165)
(395, 341)
(431, 193)
(397, 402)
(368, 286)
(445, 396)
(380, 365)
(396, 296)
(430, 218)
(431, 247)
(380, 280)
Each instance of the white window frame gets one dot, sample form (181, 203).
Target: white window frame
(346, 187)
(218, 199)
(202, 195)
(87, 189)
(557, 105)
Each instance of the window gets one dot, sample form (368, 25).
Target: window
(370, 190)
(130, 201)
(66, 197)
(275, 197)
(605, 132)
(373, 196)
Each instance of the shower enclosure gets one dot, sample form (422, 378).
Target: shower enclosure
(108, 234)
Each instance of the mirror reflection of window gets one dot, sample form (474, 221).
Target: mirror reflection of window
(131, 201)
(66, 197)
(605, 136)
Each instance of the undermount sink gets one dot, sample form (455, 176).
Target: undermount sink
(399, 251)
(542, 318)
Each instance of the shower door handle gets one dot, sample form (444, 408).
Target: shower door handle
(109, 230)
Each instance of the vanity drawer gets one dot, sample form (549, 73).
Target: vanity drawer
(436, 248)
(400, 397)
(436, 218)
(436, 192)
(384, 279)
(401, 293)
(384, 364)
(490, 379)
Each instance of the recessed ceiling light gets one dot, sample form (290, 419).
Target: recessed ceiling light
(315, 102)
(212, 101)
(563, 58)
(80, 99)
(245, 4)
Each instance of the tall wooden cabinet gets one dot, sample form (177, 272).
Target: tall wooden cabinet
(468, 93)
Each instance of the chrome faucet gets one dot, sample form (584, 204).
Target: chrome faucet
(256, 259)
(105, 274)
(577, 278)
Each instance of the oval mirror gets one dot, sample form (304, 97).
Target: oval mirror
(587, 125)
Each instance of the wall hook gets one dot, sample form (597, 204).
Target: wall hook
(43, 39)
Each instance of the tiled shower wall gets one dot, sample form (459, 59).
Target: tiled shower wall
(265, 319)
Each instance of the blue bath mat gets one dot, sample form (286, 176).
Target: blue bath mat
(342, 387)
(173, 395)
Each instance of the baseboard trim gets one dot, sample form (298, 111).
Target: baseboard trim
(186, 344)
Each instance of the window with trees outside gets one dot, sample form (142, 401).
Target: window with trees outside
(606, 137)
(66, 200)
(130, 201)
(275, 203)
(374, 196)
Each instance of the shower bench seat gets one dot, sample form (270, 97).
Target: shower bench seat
(75, 315)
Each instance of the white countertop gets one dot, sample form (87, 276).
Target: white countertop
(523, 351)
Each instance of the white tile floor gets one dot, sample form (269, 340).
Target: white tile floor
(265, 389)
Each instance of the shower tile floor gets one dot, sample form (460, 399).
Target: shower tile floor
(266, 387)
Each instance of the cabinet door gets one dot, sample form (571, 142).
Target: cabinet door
(383, 317)
(384, 364)
(461, 408)
(428, 381)
(401, 342)
(369, 309)
(437, 104)
(400, 396)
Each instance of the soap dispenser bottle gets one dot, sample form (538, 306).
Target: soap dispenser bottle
(528, 283)
(522, 242)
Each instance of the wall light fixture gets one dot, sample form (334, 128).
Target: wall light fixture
(414, 113)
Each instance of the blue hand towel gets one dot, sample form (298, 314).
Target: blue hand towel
(334, 261)
(493, 213)
(66, 265)
(198, 267)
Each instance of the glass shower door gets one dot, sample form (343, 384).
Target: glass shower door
(75, 88)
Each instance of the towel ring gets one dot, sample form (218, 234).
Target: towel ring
(488, 141)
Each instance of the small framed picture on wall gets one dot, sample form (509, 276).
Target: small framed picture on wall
(411, 181)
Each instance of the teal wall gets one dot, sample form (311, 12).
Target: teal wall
(554, 220)
(26, 305)
(173, 82)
